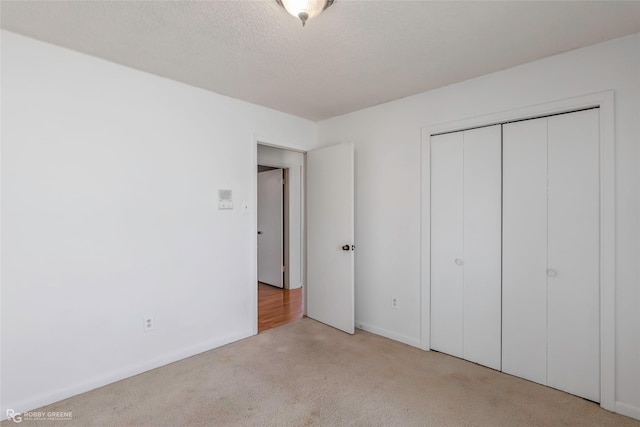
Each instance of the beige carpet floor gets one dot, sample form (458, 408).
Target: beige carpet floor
(306, 373)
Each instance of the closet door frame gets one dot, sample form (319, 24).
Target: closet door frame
(605, 102)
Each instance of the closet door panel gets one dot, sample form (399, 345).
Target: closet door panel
(573, 254)
(482, 245)
(446, 243)
(524, 250)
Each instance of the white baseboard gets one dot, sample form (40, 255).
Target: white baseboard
(414, 342)
(628, 410)
(117, 375)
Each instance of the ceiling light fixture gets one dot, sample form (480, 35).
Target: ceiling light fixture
(305, 9)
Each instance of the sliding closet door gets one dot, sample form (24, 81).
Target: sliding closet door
(574, 255)
(446, 243)
(524, 250)
(482, 246)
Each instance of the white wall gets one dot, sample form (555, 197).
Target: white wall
(387, 144)
(109, 184)
(294, 161)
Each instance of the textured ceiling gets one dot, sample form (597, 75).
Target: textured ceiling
(355, 55)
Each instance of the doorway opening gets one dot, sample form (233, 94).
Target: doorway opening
(277, 307)
(279, 238)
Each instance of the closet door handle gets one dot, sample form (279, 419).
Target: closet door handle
(458, 261)
(551, 272)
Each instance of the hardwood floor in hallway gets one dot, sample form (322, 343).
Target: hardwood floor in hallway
(277, 307)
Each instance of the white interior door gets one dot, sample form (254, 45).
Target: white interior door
(574, 253)
(447, 270)
(330, 236)
(551, 252)
(270, 228)
(482, 245)
(524, 250)
(465, 244)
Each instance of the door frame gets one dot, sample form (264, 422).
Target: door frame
(605, 102)
(257, 140)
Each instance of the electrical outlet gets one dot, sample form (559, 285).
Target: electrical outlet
(394, 302)
(148, 324)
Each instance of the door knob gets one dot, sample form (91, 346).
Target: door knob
(458, 261)
(346, 247)
(551, 273)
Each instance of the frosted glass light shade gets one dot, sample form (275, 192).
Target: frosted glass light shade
(305, 9)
